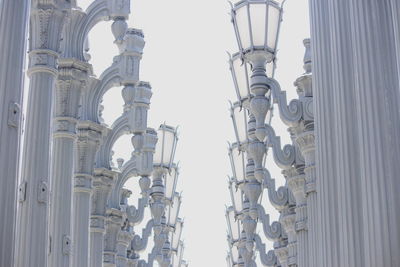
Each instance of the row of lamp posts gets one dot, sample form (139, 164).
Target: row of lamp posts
(257, 26)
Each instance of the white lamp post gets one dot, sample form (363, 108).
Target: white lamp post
(256, 24)
(162, 162)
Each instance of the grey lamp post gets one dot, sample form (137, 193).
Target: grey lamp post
(256, 24)
(162, 162)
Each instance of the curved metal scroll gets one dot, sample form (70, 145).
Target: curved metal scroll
(283, 158)
(128, 170)
(272, 232)
(278, 198)
(136, 215)
(267, 259)
(140, 243)
(119, 128)
(290, 114)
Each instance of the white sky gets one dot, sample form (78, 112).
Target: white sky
(186, 62)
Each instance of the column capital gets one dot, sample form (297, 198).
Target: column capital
(97, 224)
(124, 237)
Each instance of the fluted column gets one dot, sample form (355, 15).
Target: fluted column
(114, 222)
(13, 32)
(326, 253)
(70, 82)
(102, 184)
(296, 182)
(46, 23)
(306, 144)
(376, 87)
(356, 81)
(89, 135)
(123, 241)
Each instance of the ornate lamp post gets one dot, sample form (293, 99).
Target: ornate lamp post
(162, 162)
(256, 24)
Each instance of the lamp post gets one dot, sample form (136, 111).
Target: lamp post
(256, 24)
(162, 162)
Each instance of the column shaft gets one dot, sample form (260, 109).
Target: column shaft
(324, 242)
(96, 247)
(70, 83)
(46, 22)
(356, 82)
(13, 32)
(377, 94)
(89, 134)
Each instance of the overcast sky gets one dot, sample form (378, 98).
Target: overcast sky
(185, 61)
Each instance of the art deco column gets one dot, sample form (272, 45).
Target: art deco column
(46, 22)
(302, 184)
(13, 32)
(124, 239)
(356, 83)
(71, 80)
(114, 222)
(102, 183)
(89, 135)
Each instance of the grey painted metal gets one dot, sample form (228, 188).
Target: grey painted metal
(46, 23)
(73, 77)
(357, 140)
(13, 32)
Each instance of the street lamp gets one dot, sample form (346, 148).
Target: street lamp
(241, 72)
(166, 146)
(172, 211)
(163, 163)
(236, 197)
(234, 226)
(171, 179)
(238, 163)
(176, 236)
(239, 118)
(256, 24)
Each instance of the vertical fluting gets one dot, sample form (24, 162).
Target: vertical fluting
(325, 241)
(13, 32)
(46, 22)
(102, 184)
(32, 243)
(89, 134)
(356, 81)
(67, 94)
(376, 90)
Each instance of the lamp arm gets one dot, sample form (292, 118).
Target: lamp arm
(136, 215)
(267, 259)
(140, 243)
(278, 198)
(272, 232)
(290, 114)
(285, 157)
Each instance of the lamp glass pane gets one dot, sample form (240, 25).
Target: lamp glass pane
(235, 253)
(174, 210)
(270, 69)
(169, 146)
(177, 235)
(239, 165)
(158, 154)
(242, 22)
(234, 225)
(240, 115)
(241, 74)
(258, 14)
(170, 183)
(238, 199)
(273, 24)
(165, 146)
